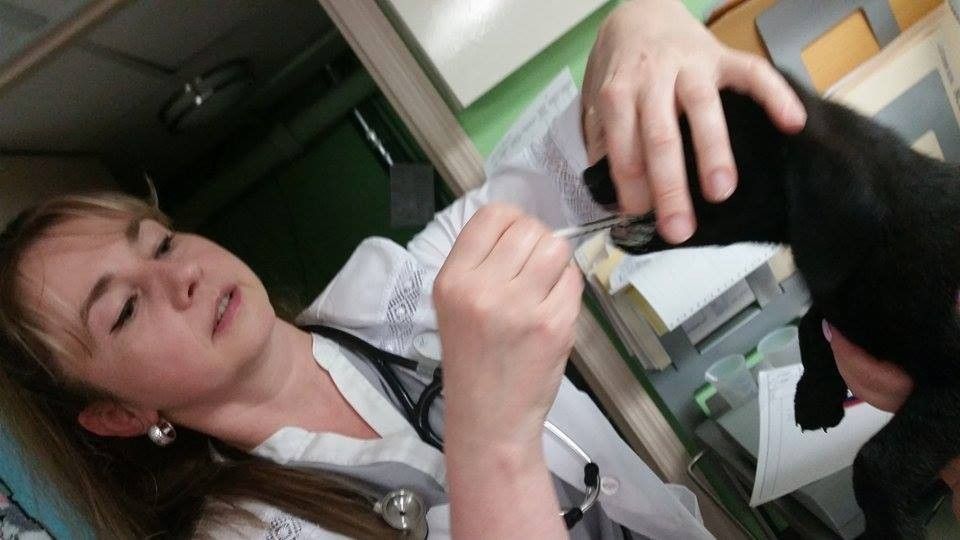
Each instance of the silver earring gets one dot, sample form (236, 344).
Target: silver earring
(162, 433)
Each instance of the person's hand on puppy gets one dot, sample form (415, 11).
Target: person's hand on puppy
(652, 62)
(885, 386)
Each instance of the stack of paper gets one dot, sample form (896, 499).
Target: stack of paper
(675, 284)
(597, 258)
(649, 295)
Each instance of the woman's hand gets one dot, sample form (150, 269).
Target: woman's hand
(507, 299)
(653, 61)
(883, 385)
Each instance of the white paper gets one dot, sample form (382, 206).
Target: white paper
(790, 458)
(679, 282)
(535, 120)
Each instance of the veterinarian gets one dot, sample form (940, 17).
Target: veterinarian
(151, 376)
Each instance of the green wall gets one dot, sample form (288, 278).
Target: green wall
(488, 119)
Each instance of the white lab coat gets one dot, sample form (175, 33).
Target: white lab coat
(383, 294)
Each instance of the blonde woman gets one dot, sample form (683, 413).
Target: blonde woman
(150, 376)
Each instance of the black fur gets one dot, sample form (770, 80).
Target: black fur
(875, 232)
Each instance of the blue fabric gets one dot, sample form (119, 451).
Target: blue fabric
(38, 501)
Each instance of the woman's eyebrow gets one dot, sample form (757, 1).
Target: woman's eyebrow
(132, 234)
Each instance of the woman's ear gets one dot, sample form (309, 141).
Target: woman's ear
(110, 419)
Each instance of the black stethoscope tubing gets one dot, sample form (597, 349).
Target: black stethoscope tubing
(418, 413)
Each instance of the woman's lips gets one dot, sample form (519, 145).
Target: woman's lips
(230, 313)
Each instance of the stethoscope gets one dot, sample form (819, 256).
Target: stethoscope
(403, 509)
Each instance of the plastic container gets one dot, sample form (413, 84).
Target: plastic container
(732, 379)
(780, 348)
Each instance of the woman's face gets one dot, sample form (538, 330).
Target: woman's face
(173, 319)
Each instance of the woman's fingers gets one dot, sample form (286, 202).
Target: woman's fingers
(544, 267)
(651, 58)
(700, 100)
(618, 111)
(564, 297)
(663, 154)
(513, 248)
(479, 236)
(563, 306)
(749, 74)
(881, 384)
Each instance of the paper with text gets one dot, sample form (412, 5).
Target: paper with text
(790, 458)
(535, 120)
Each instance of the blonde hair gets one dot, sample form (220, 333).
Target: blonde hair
(127, 487)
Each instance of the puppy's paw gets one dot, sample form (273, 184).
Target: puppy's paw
(817, 405)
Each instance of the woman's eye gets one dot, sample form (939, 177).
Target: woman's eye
(125, 313)
(164, 247)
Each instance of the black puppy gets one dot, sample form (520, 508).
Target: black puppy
(875, 232)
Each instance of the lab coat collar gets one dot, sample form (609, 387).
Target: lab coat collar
(398, 441)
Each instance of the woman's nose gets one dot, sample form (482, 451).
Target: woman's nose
(182, 281)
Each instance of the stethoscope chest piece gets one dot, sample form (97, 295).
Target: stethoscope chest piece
(403, 510)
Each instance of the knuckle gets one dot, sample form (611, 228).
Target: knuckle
(497, 211)
(661, 63)
(525, 234)
(558, 248)
(578, 285)
(442, 287)
(672, 195)
(478, 305)
(450, 293)
(698, 94)
(713, 153)
(549, 253)
(531, 225)
(489, 212)
(546, 328)
(613, 93)
(628, 169)
(661, 137)
(754, 66)
(570, 336)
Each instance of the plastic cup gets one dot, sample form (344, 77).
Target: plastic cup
(732, 379)
(781, 347)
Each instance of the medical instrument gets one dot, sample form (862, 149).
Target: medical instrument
(403, 510)
(589, 227)
(417, 413)
(631, 230)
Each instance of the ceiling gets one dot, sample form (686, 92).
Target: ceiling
(102, 93)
